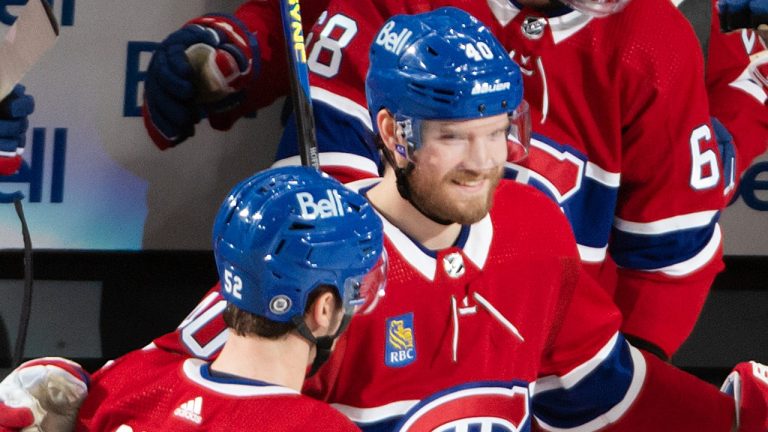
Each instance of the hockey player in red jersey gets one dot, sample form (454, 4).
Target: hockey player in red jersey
(489, 320)
(622, 137)
(297, 255)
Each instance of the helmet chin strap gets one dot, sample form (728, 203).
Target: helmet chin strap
(404, 188)
(323, 344)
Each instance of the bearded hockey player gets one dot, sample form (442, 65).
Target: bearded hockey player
(623, 141)
(489, 318)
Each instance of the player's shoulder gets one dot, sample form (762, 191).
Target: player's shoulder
(518, 200)
(527, 214)
(651, 32)
(317, 415)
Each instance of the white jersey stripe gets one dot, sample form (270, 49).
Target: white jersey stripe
(618, 410)
(699, 260)
(192, 368)
(668, 225)
(353, 161)
(341, 103)
(592, 254)
(575, 376)
(375, 414)
(598, 174)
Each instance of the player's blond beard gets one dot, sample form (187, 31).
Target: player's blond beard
(431, 196)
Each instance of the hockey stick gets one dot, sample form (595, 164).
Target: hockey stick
(299, 76)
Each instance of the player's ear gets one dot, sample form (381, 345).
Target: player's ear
(323, 313)
(387, 129)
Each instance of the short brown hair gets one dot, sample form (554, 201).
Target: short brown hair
(247, 324)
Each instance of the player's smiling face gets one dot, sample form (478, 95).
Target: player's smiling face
(458, 167)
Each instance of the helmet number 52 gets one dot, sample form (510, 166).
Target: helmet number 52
(705, 172)
(233, 284)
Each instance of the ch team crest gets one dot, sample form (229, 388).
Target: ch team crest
(482, 406)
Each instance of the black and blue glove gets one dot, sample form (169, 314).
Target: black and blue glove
(14, 112)
(202, 68)
(739, 14)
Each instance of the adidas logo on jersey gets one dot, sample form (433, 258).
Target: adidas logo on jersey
(390, 40)
(191, 410)
(322, 208)
(490, 88)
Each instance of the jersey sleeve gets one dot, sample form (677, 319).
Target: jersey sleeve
(735, 98)
(665, 238)
(592, 379)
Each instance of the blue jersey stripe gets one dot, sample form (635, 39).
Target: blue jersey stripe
(593, 396)
(336, 132)
(652, 252)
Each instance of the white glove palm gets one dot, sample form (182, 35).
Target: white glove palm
(42, 395)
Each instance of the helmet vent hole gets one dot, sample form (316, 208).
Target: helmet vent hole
(432, 51)
(279, 247)
(299, 226)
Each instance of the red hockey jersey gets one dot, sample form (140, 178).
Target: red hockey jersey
(153, 390)
(623, 141)
(489, 333)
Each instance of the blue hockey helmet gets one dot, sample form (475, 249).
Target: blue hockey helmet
(443, 65)
(597, 8)
(284, 232)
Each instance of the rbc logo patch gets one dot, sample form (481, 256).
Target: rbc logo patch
(401, 346)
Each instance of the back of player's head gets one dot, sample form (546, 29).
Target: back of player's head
(440, 65)
(286, 232)
(597, 8)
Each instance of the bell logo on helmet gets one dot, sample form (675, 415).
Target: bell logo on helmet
(390, 40)
(485, 88)
(322, 208)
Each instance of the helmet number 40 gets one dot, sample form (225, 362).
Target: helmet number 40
(479, 51)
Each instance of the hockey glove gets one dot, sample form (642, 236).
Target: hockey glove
(727, 150)
(42, 395)
(204, 66)
(758, 68)
(14, 110)
(739, 14)
(748, 384)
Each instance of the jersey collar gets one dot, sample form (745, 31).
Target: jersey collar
(474, 242)
(563, 23)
